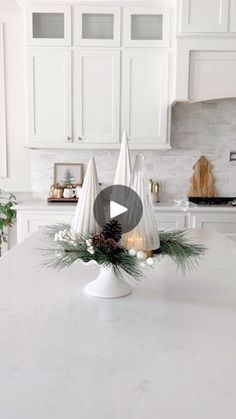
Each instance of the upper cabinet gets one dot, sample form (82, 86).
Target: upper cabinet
(96, 96)
(145, 97)
(146, 27)
(199, 16)
(97, 26)
(48, 25)
(49, 95)
(95, 72)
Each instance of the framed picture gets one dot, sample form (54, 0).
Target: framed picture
(68, 173)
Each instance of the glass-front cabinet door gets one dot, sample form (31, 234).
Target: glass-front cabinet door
(48, 25)
(97, 26)
(146, 27)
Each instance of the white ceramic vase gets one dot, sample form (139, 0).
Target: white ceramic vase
(108, 285)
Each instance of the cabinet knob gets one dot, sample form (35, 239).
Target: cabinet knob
(79, 138)
(68, 139)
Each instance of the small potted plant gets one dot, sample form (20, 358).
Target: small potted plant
(7, 215)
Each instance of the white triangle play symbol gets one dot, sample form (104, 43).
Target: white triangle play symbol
(116, 209)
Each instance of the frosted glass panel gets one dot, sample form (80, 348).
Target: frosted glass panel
(48, 25)
(97, 26)
(146, 27)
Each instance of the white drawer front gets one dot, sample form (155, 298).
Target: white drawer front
(28, 223)
(171, 220)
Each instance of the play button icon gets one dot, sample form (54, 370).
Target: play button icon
(121, 203)
(116, 209)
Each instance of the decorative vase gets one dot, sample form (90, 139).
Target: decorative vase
(108, 285)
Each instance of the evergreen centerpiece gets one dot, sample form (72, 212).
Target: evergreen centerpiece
(120, 256)
(105, 249)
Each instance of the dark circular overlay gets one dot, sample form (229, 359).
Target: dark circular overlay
(122, 195)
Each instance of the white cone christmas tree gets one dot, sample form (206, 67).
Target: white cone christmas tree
(123, 171)
(145, 235)
(84, 221)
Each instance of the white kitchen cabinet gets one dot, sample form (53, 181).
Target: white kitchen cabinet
(48, 25)
(29, 221)
(232, 24)
(145, 97)
(201, 16)
(96, 96)
(97, 26)
(146, 27)
(212, 75)
(171, 220)
(224, 222)
(49, 95)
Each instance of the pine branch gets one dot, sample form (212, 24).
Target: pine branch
(180, 249)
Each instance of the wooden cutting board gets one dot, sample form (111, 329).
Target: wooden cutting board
(202, 180)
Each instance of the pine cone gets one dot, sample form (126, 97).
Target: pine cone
(98, 239)
(109, 246)
(112, 230)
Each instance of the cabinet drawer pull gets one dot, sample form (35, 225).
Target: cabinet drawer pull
(68, 139)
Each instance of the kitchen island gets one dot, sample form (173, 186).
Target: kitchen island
(166, 351)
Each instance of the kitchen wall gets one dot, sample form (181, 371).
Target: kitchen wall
(207, 128)
(18, 158)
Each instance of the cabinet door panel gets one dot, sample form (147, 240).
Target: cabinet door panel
(48, 25)
(49, 90)
(28, 223)
(97, 89)
(204, 15)
(170, 220)
(212, 75)
(146, 27)
(145, 96)
(97, 26)
(224, 223)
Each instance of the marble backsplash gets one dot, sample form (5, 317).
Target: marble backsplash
(207, 128)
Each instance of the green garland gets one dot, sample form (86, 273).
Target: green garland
(69, 248)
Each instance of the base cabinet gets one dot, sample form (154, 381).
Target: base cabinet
(29, 221)
(224, 223)
(171, 220)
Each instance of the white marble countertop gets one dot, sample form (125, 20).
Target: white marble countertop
(166, 351)
(38, 204)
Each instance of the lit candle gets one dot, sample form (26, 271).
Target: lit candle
(136, 242)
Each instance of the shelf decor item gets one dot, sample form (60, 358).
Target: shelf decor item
(84, 221)
(145, 235)
(66, 174)
(123, 168)
(202, 180)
